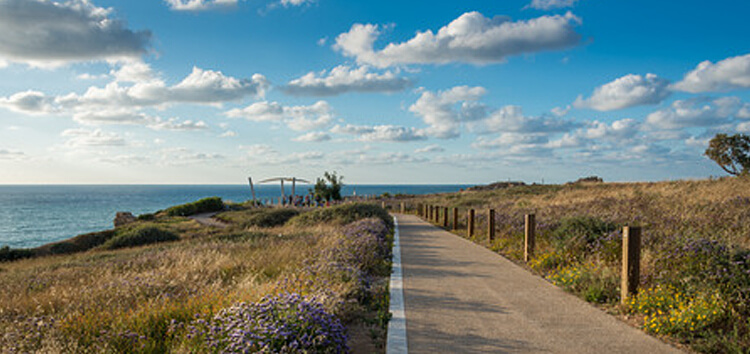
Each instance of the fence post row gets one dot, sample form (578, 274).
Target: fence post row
(470, 223)
(491, 224)
(631, 262)
(529, 239)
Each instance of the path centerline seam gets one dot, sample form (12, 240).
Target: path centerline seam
(396, 337)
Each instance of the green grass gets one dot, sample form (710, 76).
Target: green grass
(201, 206)
(342, 214)
(139, 235)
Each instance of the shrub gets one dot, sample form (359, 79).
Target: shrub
(343, 214)
(580, 235)
(140, 235)
(8, 254)
(271, 217)
(79, 243)
(204, 205)
(286, 323)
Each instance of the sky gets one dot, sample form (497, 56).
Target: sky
(382, 92)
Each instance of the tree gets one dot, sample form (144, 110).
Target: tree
(731, 153)
(329, 187)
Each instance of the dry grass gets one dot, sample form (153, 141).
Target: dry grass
(76, 302)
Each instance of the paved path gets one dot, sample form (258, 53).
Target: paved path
(463, 298)
(208, 219)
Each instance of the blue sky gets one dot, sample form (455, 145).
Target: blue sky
(212, 91)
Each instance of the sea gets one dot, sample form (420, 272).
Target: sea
(33, 215)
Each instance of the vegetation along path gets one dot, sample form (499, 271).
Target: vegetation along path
(461, 297)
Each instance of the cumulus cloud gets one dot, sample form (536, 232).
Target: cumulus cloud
(620, 130)
(697, 112)
(512, 140)
(471, 38)
(380, 133)
(176, 125)
(728, 74)
(81, 138)
(443, 111)
(298, 118)
(343, 79)
(199, 5)
(313, 137)
(627, 91)
(228, 134)
(551, 4)
(511, 119)
(29, 102)
(118, 102)
(429, 149)
(287, 3)
(48, 33)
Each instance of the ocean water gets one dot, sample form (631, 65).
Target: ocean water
(31, 216)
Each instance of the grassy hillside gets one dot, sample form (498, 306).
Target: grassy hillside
(695, 266)
(316, 287)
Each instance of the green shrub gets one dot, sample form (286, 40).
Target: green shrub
(204, 205)
(578, 236)
(342, 214)
(271, 217)
(140, 235)
(146, 217)
(8, 254)
(79, 243)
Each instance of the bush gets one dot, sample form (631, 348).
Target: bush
(286, 323)
(204, 205)
(270, 217)
(76, 244)
(8, 254)
(138, 236)
(343, 214)
(578, 236)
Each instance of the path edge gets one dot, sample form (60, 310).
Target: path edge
(396, 338)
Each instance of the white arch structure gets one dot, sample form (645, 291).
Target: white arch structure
(294, 181)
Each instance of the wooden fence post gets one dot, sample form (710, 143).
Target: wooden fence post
(455, 218)
(491, 224)
(382, 205)
(470, 222)
(445, 217)
(402, 208)
(631, 262)
(529, 239)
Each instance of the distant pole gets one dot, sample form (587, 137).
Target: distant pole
(294, 185)
(445, 217)
(491, 224)
(529, 239)
(283, 196)
(252, 189)
(470, 222)
(455, 218)
(631, 262)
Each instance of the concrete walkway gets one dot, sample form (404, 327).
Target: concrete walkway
(463, 298)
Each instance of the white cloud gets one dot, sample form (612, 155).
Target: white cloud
(176, 125)
(728, 74)
(471, 38)
(119, 103)
(627, 91)
(429, 149)
(621, 130)
(29, 102)
(180, 156)
(82, 138)
(380, 133)
(551, 4)
(696, 112)
(298, 118)
(512, 140)
(441, 110)
(64, 32)
(287, 3)
(512, 119)
(313, 137)
(343, 79)
(228, 134)
(199, 5)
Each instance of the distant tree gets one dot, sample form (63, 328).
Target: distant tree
(731, 153)
(328, 187)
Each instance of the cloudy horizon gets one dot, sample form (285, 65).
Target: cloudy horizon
(213, 91)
